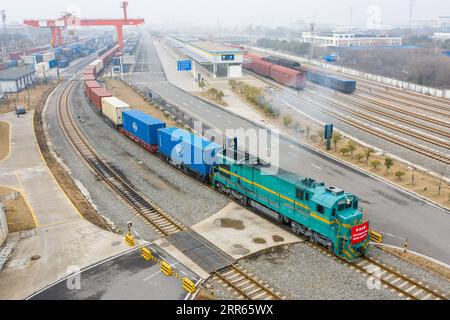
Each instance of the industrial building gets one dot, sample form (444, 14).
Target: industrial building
(441, 36)
(217, 60)
(444, 22)
(349, 40)
(16, 79)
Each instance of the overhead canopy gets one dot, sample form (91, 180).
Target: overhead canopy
(195, 56)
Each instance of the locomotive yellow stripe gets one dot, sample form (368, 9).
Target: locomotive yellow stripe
(279, 195)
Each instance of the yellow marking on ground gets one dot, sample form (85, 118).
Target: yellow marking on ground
(10, 141)
(25, 196)
(59, 223)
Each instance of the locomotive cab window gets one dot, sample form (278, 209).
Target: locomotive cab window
(300, 194)
(333, 213)
(307, 196)
(320, 209)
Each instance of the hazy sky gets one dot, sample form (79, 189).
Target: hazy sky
(236, 12)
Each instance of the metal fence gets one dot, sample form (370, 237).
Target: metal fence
(440, 93)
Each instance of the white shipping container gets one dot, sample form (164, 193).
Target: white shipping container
(42, 67)
(49, 56)
(112, 108)
(28, 59)
(98, 65)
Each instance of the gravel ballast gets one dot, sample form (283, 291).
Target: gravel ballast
(431, 279)
(181, 196)
(303, 272)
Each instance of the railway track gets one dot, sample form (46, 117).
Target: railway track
(413, 97)
(406, 286)
(357, 102)
(384, 103)
(406, 96)
(369, 117)
(247, 285)
(385, 98)
(424, 151)
(152, 214)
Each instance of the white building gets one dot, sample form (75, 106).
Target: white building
(444, 22)
(441, 36)
(216, 59)
(349, 40)
(16, 79)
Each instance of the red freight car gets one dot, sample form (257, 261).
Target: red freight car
(16, 55)
(90, 70)
(88, 86)
(96, 97)
(89, 77)
(288, 77)
(261, 67)
(250, 57)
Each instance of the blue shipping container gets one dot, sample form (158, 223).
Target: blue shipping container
(11, 63)
(63, 63)
(39, 58)
(52, 64)
(183, 148)
(142, 126)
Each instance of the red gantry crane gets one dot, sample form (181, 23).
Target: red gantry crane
(68, 20)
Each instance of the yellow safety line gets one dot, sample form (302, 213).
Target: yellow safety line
(24, 194)
(10, 141)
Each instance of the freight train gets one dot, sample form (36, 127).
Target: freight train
(292, 78)
(327, 80)
(327, 216)
(332, 81)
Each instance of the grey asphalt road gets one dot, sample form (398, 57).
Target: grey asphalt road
(389, 209)
(127, 277)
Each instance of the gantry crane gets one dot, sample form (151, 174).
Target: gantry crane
(68, 20)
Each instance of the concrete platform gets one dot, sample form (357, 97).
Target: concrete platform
(181, 258)
(63, 238)
(183, 80)
(241, 233)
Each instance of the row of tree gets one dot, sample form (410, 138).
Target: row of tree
(295, 47)
(255, 96)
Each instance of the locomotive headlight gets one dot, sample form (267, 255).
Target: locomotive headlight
(349, 201)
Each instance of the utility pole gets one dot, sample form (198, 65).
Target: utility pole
(3, 13)
(411, 11)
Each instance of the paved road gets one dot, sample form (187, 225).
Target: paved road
(389, 209)
(127, 277)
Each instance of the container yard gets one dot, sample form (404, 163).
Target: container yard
(187, 161)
